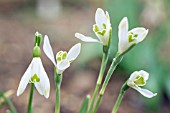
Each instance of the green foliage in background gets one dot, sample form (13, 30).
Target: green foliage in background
(147, 55)
(149, 50)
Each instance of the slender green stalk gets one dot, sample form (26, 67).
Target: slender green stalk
(115, 62)
(8, 101)
(106, 53)
(120, 97)
(100, 78)
(58, 81)
(29, 108)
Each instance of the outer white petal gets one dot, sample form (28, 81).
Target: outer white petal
(85, 38)
(144, 74)
(142, 32)
(48, 50)
(145, 92)
(25, 80)
(108, 25)
(134, 75)
(43, 86)
(74, 52)
(123, 35)
(62, 65)
(100, 18)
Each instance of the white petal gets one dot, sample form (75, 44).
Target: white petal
(144, 74)
(48, 49)
(62, 65)
(145, 92)
(85, 38)
(25, 80)
(123, 35)
(43, 86)
(100, 18)
(134, 75)
(142, 32)
(74, 52)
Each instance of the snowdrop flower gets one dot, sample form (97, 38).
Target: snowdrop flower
(101, 28)
(139, 78)
(62, 57)
(129, 38)
(36, 74)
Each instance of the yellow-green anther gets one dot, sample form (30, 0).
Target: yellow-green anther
(36, 51)
(35, 78)
(64, 55)
(104, 26)
(139, 80)
(95, 28)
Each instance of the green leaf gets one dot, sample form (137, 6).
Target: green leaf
(84, 106)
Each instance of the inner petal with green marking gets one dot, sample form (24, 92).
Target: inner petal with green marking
(34, 78)
(61, 55)
(139, 81)
(132, 36)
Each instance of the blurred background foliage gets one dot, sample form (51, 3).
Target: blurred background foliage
(60, 19)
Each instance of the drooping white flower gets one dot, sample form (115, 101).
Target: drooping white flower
(62, 57)
(36, 74)
(129, 38)
(139, 78)
(101, 28)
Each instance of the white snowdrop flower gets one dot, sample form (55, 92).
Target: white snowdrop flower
(63, 59)
(129, 38)
(137, 79)
(101, 28)
(35, 74)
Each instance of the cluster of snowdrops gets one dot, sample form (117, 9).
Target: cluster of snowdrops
(37, 77)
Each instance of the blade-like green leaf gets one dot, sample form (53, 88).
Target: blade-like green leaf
(85, 103)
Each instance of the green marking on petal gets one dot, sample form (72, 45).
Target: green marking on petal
(135, 35)
(95, 28)
(64, 55)
(104, 26)
(102, 33)
(35, 78)
(132, 36)
(58, 59)
(61, 55)
(139, 80)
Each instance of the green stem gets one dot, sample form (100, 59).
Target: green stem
(115, 62)
(10, 104)
(58, 81)
(100, 78)
(120, 97)
(29, 108)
